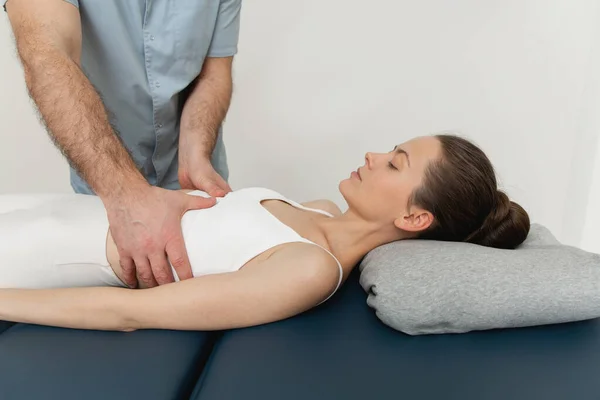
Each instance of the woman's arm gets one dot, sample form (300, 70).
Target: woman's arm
(102, 308)
(294, 279)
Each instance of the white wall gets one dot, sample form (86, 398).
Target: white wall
(590, 239)
(319, 83)
(582, 208)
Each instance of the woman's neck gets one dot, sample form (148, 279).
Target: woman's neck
(350, 237)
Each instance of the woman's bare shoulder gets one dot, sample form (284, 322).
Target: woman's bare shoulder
(325, 205)
(304, 262)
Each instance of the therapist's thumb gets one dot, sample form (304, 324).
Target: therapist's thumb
(198, 202)
(212, 188)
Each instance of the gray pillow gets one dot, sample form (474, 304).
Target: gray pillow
(431, 287)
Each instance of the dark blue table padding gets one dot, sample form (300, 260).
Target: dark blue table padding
(341, 351)
(5, 325)
(51, 363)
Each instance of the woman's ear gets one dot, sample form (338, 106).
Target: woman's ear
(417, 221)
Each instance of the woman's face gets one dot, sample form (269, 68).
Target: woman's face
(380, 189)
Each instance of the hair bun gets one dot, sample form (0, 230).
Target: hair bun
(506, 226)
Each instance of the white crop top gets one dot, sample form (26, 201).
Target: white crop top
(236, 229)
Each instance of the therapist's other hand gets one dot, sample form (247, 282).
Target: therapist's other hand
(146, 226)
(198, 173)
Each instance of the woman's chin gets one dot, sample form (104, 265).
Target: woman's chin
(346, 187)
(344, 182)
(352, 179)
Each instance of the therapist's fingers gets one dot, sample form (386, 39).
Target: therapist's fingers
(205, 178)
(179, 258)
(222, 183)
(213, 189)
(215, 185)
(144, 273)
(161, 269)
(128, 271)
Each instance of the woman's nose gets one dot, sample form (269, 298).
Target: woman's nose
(368, 158)
(371, 159)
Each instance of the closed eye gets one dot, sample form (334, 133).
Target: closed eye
(392, 165)
(398, 150)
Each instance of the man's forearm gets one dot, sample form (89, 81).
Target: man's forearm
(77, 121)
(206, 108)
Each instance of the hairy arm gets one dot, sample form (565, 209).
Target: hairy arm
(203, 113)
(48, 41)
(145, 221)
(293, 280)
(207, 105)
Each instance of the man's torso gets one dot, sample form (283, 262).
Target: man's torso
(141, 55)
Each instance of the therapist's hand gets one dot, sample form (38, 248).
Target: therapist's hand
(197, 172)
(146, 226)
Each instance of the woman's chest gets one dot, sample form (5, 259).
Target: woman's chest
(230, 235)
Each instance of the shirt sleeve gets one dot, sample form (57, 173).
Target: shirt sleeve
(74, 2)
(224, 42)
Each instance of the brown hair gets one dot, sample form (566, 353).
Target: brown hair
(460, 190)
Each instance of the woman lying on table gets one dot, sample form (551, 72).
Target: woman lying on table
(256, 256)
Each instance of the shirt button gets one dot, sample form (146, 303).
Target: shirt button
(157, 84)
(151, 37)
(159, 125)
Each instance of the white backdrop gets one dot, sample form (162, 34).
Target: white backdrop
(319, 83)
